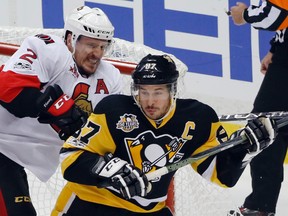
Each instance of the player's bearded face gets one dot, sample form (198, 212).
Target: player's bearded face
(154, 100)
(88, 53)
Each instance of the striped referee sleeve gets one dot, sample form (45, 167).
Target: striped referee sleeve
(267, 16)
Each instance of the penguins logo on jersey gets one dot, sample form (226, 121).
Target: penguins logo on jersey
(127, 123)
(151, 152)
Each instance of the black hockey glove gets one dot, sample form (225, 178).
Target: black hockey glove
(121, 175)
(260, 132)
(59, 110)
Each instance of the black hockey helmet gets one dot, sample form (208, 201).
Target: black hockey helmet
(154, 70)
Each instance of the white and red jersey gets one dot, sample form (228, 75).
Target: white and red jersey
(45, 59)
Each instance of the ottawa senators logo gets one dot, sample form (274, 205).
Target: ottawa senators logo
(80, 96)
(127, 123)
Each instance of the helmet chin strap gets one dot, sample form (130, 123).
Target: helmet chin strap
(73, 44)
(158, 121)
(172, 104)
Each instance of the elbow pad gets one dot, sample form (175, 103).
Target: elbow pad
(24, 104)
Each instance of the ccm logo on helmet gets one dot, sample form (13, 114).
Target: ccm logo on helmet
(103, 32)
(149, 76)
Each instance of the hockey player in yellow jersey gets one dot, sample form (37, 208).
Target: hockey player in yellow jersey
(128, 136)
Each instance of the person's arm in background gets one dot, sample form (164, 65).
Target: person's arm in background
(265, 62)
(270, 15)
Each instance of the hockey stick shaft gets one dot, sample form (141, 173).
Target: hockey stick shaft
(207, 153)
(249, 116)
(175, 166)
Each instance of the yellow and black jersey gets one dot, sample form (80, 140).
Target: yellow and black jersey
(119, 126)
(270, 15)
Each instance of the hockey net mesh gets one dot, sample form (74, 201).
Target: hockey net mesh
(191, 195)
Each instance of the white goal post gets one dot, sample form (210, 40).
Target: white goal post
(190, 195)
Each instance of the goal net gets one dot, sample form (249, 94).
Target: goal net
(189, 195)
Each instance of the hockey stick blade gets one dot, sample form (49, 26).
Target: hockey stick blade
(207, 153)
(249, 116)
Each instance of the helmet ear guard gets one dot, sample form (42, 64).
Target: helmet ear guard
(89, 22)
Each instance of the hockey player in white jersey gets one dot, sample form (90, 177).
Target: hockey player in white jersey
(47, 90)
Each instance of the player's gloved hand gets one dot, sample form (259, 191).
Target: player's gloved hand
(121, 175)
(59, 110)
(260, 132)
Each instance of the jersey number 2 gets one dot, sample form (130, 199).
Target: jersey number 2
(29, 56)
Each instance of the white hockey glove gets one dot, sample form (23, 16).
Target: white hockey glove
(260, 133)
(121, 175)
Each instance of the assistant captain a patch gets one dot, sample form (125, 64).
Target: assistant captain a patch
(127, 123)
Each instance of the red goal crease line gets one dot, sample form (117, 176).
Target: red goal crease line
(8, 49)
